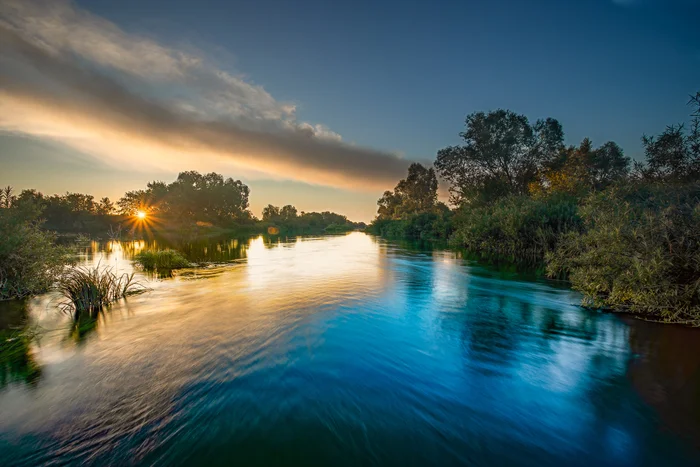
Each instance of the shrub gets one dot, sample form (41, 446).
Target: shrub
(30, 261)
(640, 252)
(517, 226)
(427, 225)
(161, 261)
(89, 290)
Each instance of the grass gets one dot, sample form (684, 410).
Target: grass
(161, 261)
(89, 290)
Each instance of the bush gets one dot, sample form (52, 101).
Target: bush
(518, 227)
(428, 225)
(89, 290)
(640, 252)
(161, 261)
(30, 261)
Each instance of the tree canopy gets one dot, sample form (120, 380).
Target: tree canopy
(192, 197)
(416, 193)
(502, 153)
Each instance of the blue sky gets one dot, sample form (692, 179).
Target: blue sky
(396, 78)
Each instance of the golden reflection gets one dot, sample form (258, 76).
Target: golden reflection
(311, 268)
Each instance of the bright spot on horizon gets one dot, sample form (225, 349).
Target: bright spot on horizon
(141, 214)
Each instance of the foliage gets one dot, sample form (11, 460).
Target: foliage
(192, 197)
(435, 224)
(518, 227)
(675, 154)
(412, 210)
(89, 290)
(640, 251)
(17, 362)
(501, 155)
(579, 170)
(416, 193)
(287, 221)
(30, 261)
(72, 212)
(161, 261)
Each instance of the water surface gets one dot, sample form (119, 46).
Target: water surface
(345, 350)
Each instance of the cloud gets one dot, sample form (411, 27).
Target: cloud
(79, 79)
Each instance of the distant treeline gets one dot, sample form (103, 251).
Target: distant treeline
(627, 235)
(193, 201)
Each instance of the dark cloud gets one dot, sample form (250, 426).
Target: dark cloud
(39, 79)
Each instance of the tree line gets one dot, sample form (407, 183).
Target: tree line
(625, 233)
(192, 200)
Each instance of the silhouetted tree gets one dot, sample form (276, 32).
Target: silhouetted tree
(675, 154)
(192, 197)
(416, 193)
(502, 153)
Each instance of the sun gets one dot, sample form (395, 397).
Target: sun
(141, 214)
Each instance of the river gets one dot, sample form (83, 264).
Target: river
(345, 350)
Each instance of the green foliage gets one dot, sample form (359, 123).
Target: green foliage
(502, 154)
(287, 221)
(579, 170)
(516, 226)
(89, 290)
(192, 197)
(416, 193)
(30, 261)
(72, 212)
(639, 252)
(17, 361)
(161, 261)
(429, 225)
(674, 156)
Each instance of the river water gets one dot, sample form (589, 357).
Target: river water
(345, 350)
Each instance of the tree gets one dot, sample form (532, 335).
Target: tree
(416, 193)
(271, 213)
(192, 197)
(105, 207)
(6, 197)
(580, 169)
(675, 154)
(502, 153)
(288, 213)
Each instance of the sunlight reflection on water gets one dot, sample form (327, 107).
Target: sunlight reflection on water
(348, 350)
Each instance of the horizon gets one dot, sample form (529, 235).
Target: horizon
(110, 97)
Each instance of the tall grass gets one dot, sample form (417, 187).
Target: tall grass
(161, 261)
(89, 290)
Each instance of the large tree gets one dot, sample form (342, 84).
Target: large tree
(193, 196)
(502, 153)
(416, 193)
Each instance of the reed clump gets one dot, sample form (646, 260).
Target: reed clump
(90, 290)
(161, 261)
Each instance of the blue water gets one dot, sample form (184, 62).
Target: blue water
(347, 350)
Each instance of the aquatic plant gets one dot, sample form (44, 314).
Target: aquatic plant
(17, 361)
(161, 261)
(89, 290)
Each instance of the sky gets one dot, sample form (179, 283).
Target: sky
(319, 104)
